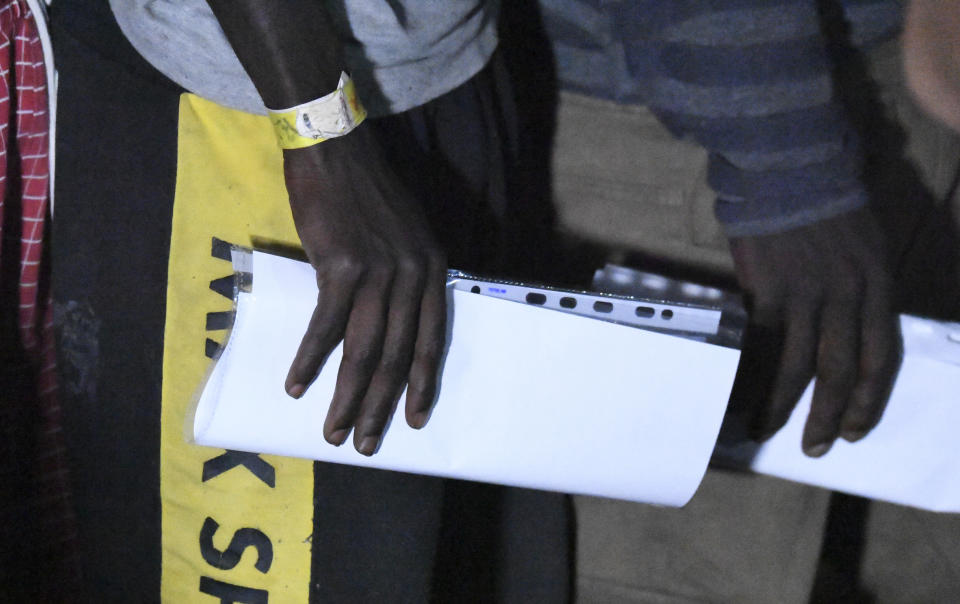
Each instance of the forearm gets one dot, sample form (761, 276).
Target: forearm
(293, 55)
(287, 47)
(762, 101)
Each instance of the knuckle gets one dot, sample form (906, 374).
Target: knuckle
(360, 356)
(412, 270)
(836, 371)
(430, 349)
(436, 260)
(410, 264)
(374, 420)
(880, 367)
(871, 374)
(836, 357)
(837, 377)
(394, 364)
(342, 266)
(312, 339)
(826, 414)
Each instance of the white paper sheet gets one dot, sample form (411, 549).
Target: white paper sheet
(911, 457)
(529, 397)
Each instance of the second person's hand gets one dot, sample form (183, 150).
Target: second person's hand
(827, 287)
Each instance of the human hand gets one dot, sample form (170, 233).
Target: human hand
(827, 287)
(381, 281)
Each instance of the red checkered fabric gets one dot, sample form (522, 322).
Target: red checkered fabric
(24, 199)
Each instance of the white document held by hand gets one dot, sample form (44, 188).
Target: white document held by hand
(529, 396)
(911, 457)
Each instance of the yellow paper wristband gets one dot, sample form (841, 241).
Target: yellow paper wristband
(315, 121)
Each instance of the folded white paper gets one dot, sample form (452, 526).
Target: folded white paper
(529, 397)
(911, 457)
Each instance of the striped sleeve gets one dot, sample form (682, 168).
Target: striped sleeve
(751, 81)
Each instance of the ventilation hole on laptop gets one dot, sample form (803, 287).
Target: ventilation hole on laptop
(602, 306)
(568, 302)
(666, 315)
(475, 289)
(645, 311)
(535, 298)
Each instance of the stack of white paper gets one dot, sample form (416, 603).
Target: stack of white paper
(529, 397)
(544, 399)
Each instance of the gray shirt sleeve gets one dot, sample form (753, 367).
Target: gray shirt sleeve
(400, 54)
(183, 40)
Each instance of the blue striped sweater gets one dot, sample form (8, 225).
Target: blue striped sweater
(748, 79)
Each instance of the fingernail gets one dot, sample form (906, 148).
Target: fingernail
(338, 436)
(819, 449)
(368, 446)
(853, 435)
(419, 420)
(296, 391)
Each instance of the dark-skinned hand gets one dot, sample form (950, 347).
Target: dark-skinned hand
(827, 287)
(381, 281)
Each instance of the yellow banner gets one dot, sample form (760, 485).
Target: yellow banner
(236, 526)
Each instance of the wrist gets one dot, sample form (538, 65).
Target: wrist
(358, 144)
